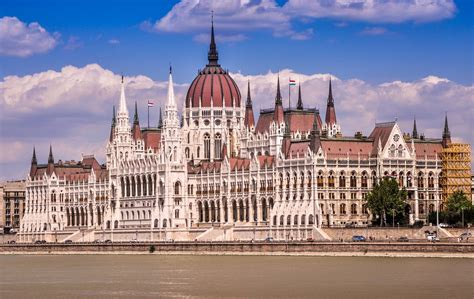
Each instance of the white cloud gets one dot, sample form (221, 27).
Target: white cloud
(378, 11)
(374, 31)
(231, 16)
(72, 108)
(22, 40)
(231, 38)
(237, 16)
(113, 41)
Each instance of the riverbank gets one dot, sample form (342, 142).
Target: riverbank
(379, 249)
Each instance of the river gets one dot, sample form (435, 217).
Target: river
(173, 276)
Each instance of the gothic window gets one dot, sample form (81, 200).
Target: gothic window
(400, 150)
(198, 152)
(364, 180)
(392, 150)
(177, 188)
(354, 209)
(364, 209)
(186, 152)
(176, 213)
(342, 180)
(207, 146)
(217, 145)
(342, 209)
(353, 180)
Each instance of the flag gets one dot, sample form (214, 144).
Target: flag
(150, 103)
(292, 82)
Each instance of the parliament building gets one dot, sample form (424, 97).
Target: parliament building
(213, 171)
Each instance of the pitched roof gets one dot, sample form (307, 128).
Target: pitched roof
(341, 148)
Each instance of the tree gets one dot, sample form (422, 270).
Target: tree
(386, 199)
(457, 202)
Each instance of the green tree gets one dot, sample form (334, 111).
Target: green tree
(386, 199)
(457, 202)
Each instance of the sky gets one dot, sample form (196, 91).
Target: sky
(60, 64)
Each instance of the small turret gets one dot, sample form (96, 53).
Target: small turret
(249, 117)
(330, 109)
(414, 134)
(446, 133)
(299, 105)
(50, 167)
(278, 115)
(136, 131)
(160, 121)
(34, 163)
(112, 127)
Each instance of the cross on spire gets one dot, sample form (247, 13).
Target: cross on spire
(213, 55)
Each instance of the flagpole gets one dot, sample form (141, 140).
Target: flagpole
(289, 94)
(148, 106)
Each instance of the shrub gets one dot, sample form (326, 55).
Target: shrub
(152, 249)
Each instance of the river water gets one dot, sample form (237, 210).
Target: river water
(152, 276)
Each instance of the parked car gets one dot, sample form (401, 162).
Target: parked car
(358, 239)
(269, 239)
(310, 240)
(12, 242)
(40, 242)
(464, 236)
(403, 239)
(432, 238)
(134, 241)
(68, 242)
(350, 225)
(444, 225)
(108, 241)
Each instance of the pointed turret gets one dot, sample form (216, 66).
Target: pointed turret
(136, 131)
(249, 117)
(171, 100)
(34, 163)
(299, 105)
(112, 127)
(122, 111)
(212, 55)
(414, 134)
(278, 115)
(50, 157)
(330, 109)
(160, 121)
(446, 133)
(50, 167)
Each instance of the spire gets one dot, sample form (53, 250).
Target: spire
(123, 111)
(446, 133)
(160, 122)
(212, 55)
(414, 134)
(330, 109)
(249, 117)
(135, 117)
(330, 98)
(278, 95)
(34, 163)
(112, 127)
(249, 99)
(50, 157)
(33, 159)
(299, 105)
(171, 101)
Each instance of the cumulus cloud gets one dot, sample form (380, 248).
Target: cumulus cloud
(379, 11)
(245, 15)
(21, 39)
(232, 16)
(72, 108)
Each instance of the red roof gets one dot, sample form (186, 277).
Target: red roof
(213, 82)
(336, 148)
(430, 150)
(75, 171)
(297, 149)
(266, 161)
(152, 139)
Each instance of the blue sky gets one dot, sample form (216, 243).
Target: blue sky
(398, 51)
(60, 64)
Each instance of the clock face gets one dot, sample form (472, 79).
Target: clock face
(396, 137)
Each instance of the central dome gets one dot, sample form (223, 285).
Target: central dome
(213, 82)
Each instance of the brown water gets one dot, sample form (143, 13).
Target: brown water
(151, 276)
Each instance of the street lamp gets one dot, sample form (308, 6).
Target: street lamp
(462, 216)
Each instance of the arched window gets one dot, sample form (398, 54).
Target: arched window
(342, 180)
(155, 223)
(198, 152)
(353, 209)
(364, 180)
(400, 150)
(177, 188)
(353, 180)
(311, 219)
(207, 146)
(288, 220)
(331, 180)
(217, 145)
(342, 209)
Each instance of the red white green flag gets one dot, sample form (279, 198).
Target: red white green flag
(292, 82)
